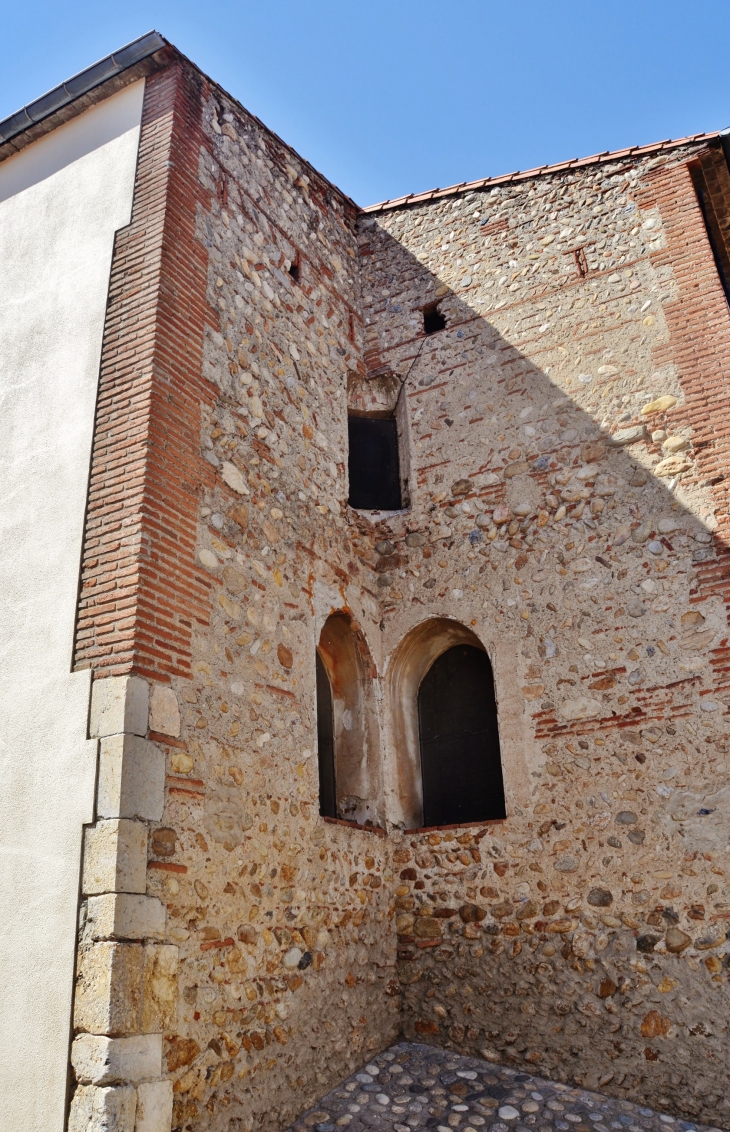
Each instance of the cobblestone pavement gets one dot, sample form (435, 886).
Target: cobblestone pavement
(411, 1087)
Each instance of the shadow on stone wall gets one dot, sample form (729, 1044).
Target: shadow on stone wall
(589, 953)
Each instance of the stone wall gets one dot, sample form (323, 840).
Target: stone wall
(282, 920)
(260, 944)
(563, 443)
(566, 455)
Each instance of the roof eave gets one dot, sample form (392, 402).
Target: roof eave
(54, 101)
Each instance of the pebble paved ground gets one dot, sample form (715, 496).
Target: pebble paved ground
(411, 1087)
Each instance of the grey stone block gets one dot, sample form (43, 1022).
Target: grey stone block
(115, 857)
(131, 778)
(119, 704)
(95, 1109)
(99, 1060)
(154, 1107)
(123, 915)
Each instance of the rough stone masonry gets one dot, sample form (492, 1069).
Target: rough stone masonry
(564, 437)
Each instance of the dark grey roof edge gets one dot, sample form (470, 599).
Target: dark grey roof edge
(79, 84)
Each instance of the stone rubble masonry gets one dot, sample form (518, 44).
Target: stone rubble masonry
(467, 189)
(276, 912)
(587, 933)
(565, 437)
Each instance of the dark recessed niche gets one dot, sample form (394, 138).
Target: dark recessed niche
(433, 320)
(373, 464)
(325, 743)
(294, 269)
(461, 766)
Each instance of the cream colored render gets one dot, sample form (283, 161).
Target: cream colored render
(61, 201)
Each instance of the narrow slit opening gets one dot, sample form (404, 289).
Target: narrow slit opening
(325, 743)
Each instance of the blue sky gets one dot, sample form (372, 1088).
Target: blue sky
(397, 96)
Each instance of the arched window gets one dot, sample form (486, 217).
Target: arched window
(347, 730)
(325, 743)
(461, 769)
(444, 735)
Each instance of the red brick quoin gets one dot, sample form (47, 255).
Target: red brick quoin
(141, 591)
(698, 322)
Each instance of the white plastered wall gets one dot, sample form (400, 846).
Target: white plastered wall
(61, 201)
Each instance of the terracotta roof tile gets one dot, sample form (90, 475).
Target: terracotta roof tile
(530, 174)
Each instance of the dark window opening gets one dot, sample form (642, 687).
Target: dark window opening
(373, 464)
(712, 227)
(325, 743)
(294, 268)
(461, 767)
(433, 319)
(351, 328)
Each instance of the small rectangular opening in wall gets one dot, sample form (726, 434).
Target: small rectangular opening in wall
(433, 319)
(294, 268)
(708, 203)
(373, 464)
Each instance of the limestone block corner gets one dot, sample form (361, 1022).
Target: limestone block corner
(115, 857)
(131, 778)
(123, 915)
(154, 1107)
(119, 705)
(101, 1060)
(103, 1109)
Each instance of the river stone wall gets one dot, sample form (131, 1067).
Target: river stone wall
(565, 505)
(564, 445)
(286, 957)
